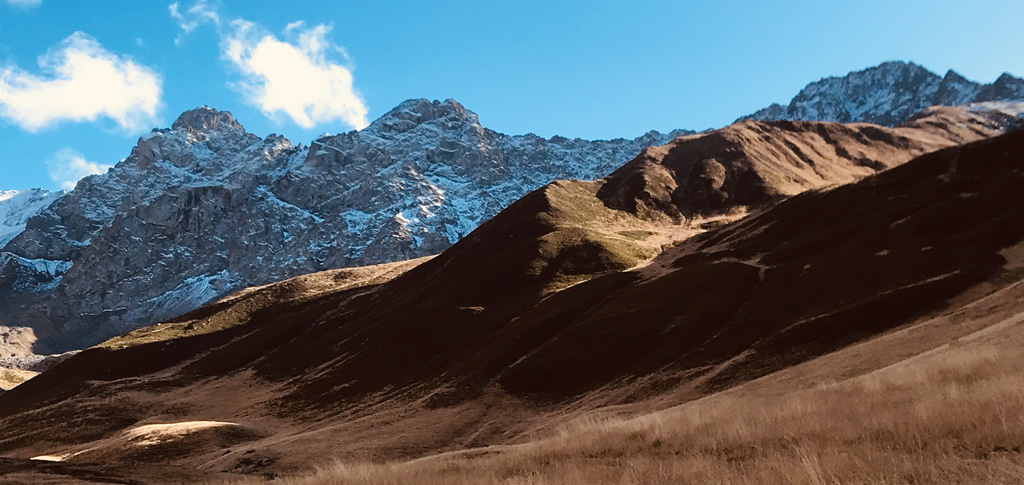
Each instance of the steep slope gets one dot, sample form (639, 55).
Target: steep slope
(242, 306)
(205, 208)
(1005, 88)
(887, 94)
(537, 316)
(11, 378)
(755, 163)
(938, 402)
(18, 206)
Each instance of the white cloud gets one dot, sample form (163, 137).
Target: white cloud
(80, 81)
(296, 76)
(299, 75)
(198, 14)
(25, 3)
(67, 167)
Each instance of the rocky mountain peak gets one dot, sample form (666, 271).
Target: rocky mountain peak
(1007, 78)
(903, 75)
(954, 89)
(415, 112)
(204, 120)
(888, 94)
(209, 129)
(902, 67)
(1006, 88)
(952, 75)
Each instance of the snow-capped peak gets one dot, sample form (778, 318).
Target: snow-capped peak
(888, 94)
(17, 206)
(204, 120)
(1005, 88)
(414, 112)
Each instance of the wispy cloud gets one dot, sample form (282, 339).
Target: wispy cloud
(68, 166)
(25, 3)
(196, 15)
(301, 74)
(295, 76)
(80, 81)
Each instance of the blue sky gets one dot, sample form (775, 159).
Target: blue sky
(79, 82)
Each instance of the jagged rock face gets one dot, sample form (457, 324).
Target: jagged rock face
(1005, 88)
(205, 208)
(888, 94)
(426, 174)
(18, 206)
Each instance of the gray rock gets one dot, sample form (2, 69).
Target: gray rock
(888, 94)
(205, 208)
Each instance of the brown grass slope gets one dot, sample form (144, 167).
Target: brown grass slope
(10, 378)
(246, 304)
(532, 317)
(816, 272)
(938, 402)
(756, 163)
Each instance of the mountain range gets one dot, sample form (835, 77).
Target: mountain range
(204, 208)
(708, 266)
(887, 94)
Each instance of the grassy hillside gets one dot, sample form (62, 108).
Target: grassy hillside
(951, 414)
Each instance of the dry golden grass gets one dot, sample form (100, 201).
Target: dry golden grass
(237, 308)
(9, 378)
(954, 415)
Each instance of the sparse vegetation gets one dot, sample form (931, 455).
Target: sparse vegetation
(239, 308)
(637, 235)
(954, 417)
(9, 378)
